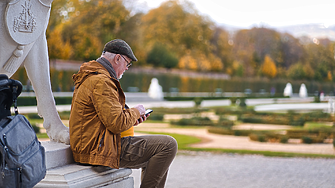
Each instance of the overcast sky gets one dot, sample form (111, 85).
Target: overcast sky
(247, 13)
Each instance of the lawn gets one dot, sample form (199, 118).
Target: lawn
(184, 142)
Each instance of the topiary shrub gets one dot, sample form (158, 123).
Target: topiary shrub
(307, 140)
(197, 121)
(34, 116)
(36, 128)
(233, 100)
(219, 130)
(242, 103)
(223, 122)
(242, 132)
(283, 139)
(257, 137)
(198, 101)
(156, 116)
(253, 137)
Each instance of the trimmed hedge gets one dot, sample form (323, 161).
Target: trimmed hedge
(178, 110)
(31, 101)
(156, 116)
(323, 133)
(197, 121)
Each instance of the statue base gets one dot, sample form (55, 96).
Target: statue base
(62, 171)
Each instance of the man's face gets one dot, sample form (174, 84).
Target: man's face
(123, 65)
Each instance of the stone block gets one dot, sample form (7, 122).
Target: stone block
(81, 176)
(62, 171)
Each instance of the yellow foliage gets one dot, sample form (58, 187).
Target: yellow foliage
(184, 83)
(269, 68)
(309, 72)
(329, 76)
(188, 62)
(178, 26)
(216, 63)
(203, 63)
(57, 48)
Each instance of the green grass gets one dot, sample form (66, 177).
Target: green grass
(42, 135)
(311, 125)
(184, 141)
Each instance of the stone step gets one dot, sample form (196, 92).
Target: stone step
(81, 176)
(62, 171)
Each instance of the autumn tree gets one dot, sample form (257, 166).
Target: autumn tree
(162, 57)
(252, 45)
(320, 56)
(222, 46)
(188, 62)
(269, 68)
(296, 72)
(292, 50)
(91, 24)
(178, 26)
(57, 47)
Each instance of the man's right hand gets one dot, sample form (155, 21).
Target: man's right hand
(140, 108)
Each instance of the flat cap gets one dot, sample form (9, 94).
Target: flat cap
(118, 46)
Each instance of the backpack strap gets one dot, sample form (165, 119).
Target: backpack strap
(12, 86)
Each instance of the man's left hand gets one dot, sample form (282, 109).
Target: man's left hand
(141, 119)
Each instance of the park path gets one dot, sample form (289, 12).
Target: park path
(211, 140)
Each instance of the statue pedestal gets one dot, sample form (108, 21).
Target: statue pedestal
(63, 172)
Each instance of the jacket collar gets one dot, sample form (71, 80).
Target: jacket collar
(105, 63)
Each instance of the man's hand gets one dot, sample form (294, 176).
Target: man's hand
(141, 109)
(141, 119)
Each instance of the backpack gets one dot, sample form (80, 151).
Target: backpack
(22, 157)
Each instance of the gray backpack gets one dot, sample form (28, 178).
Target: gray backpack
(22, 158)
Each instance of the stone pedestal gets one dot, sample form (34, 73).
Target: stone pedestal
(63, 172)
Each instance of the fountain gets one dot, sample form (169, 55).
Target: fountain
(155, 90)
(303, 91)
(288, 90)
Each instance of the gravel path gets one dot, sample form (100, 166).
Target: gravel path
(208, 170)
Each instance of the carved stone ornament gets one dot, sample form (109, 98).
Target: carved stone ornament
(26, 20)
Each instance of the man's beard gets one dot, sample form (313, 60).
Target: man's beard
(120, 76)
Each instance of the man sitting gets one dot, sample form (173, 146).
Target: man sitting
(101, 124)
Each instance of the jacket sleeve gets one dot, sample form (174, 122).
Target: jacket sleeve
(109, 109)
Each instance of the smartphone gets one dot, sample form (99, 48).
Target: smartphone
(147, 112)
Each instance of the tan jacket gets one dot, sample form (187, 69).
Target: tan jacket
(98, 117)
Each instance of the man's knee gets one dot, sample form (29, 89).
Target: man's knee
(172, 144)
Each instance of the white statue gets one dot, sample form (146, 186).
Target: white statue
(23, 41)
(155, 90)
(288, 90)
(303, 91)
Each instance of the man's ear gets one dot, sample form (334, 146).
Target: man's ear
(116, 58)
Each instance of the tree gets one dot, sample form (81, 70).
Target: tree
(222, 48)
(188, 62)
(91, 25)
(178, 26)
(296, 72)
(253, 45)
(292, 50)
(269, 68)
(161, 57)
(58, 49)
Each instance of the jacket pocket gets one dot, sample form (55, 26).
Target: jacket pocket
(134, 148)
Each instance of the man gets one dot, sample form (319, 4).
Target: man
(99, 116)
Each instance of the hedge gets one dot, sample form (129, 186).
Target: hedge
(31, 101)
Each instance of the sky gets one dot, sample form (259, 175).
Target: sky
(273, 13)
